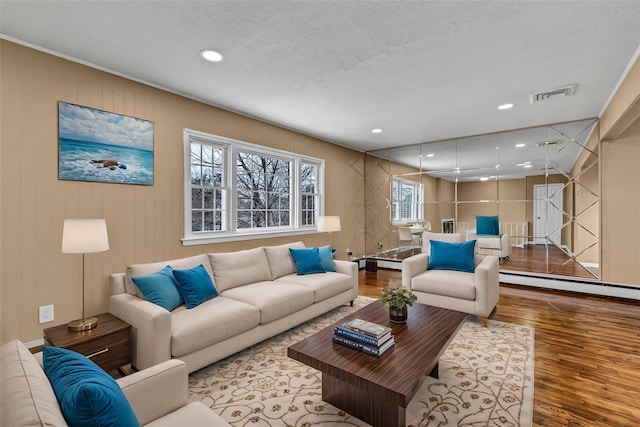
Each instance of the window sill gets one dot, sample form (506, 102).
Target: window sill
(222, 238)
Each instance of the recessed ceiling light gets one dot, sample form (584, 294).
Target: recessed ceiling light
(484, 178)
(522, 144)
(430, 155)
(376, 130)
(505, 106)
(211, 55)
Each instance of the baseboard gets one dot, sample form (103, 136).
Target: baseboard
(586, 286)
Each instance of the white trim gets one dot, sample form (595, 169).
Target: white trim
(587, 287)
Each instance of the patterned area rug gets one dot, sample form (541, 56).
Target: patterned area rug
(486, 379)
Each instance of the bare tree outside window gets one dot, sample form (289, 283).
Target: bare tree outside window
(263, 191)
(309, 193)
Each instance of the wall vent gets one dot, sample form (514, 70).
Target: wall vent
(563, 91)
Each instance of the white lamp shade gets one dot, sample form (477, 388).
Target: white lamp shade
(329, 223)
(83, 236)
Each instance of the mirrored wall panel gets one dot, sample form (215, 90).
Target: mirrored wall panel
(542, 183)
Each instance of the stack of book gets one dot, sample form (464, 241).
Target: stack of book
(367, 337)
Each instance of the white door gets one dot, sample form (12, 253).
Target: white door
(547, 213)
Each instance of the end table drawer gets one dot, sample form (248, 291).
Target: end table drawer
(110, 351)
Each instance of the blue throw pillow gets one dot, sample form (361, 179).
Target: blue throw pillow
(88, 396)
(195, 285)
(326, 257)
(307, 261)
(487, 225)
(452, 256)
(160, 288)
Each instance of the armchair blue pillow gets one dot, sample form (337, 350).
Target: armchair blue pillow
(452, 256)
(487, 225)
(88, 396)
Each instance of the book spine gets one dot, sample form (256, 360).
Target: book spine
(365, 339)
(356, 345)
(346, 342)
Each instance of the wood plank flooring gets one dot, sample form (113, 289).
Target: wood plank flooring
(587, 354)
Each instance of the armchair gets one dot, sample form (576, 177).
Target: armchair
(475, 293)
(489, 241)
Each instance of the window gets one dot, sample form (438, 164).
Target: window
(406, 201)
(235, 190)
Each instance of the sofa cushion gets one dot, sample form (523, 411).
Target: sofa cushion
(211, 322)
(195, 285)
(231, 269)
(273, 299)
(279, 259)
(160, 288)
(27, 396)
(195, 414)
(150, 268)
(452, 256)
(307, 260)
(324, 285)
(326, 258)
(88, 396)
(455, 284)
(428, 236)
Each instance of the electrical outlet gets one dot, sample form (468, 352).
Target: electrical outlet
(46, 313)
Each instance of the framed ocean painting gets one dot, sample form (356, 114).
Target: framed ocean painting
(98, 146)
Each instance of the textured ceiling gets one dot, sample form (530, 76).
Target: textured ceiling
(422, 71)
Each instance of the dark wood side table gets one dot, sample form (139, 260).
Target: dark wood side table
(108, 344)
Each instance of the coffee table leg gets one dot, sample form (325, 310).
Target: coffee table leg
(435, 373)
(375, 410)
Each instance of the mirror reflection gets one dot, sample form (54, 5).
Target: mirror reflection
(541, 183)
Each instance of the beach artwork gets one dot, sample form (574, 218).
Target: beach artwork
(95, 145)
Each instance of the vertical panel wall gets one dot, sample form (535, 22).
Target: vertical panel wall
(145, 223)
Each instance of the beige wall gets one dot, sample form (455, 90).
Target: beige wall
(620, 175)
(144, 223)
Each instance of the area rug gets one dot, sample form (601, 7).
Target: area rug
(486, 379)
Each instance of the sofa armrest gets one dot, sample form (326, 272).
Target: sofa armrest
(151, 328)
(350, 268)
(156, 391)
(487, 285)
(412, 266)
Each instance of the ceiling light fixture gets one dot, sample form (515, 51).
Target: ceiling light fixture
(376, 130)
(430, 155)
(522, 144)
(484, 178)
(505, 106)
(211, 55)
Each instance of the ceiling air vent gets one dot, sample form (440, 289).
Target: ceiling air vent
(568, 90)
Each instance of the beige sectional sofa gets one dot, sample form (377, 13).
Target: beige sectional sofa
(259, 296)
(157, 395)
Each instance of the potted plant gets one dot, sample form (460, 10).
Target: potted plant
(397, 300)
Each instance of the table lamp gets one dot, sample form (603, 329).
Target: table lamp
(84, 236)
(329, 224)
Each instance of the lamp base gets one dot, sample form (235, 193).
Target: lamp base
(83, 324)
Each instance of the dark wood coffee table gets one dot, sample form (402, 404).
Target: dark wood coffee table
(378, 390)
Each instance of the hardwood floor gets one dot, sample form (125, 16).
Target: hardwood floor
(587, 353)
